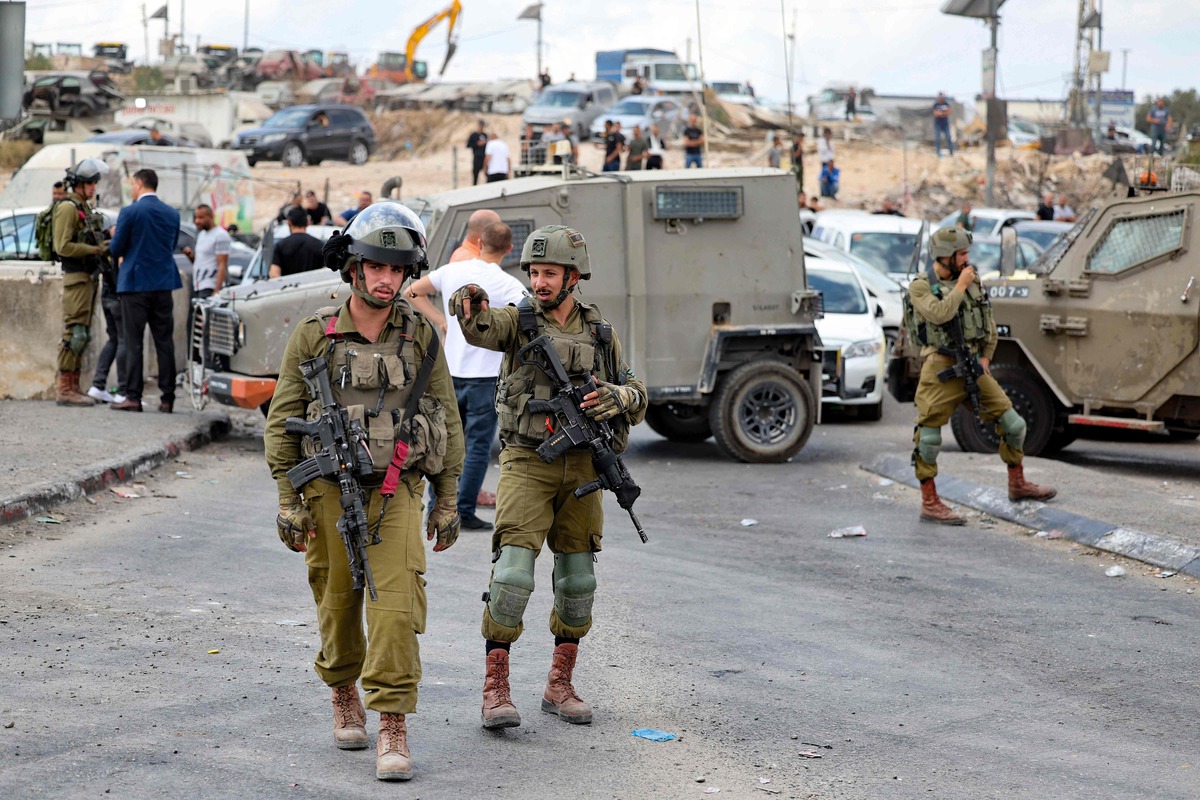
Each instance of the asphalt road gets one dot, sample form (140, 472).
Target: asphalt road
(919, 661)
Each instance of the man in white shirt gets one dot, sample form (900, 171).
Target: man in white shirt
(473, 369)
(825, 152)
(1063, 211)
(210, 259)
(496, 163)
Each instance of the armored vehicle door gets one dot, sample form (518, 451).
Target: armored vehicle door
(1131, 312)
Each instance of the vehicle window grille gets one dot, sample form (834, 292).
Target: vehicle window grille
(1134, 241)
(1055, 252)
(222, 332)
(521, 228)
(698, 202)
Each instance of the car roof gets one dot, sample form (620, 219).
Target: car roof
(827, 265)
(865, 222)
(1042, 225)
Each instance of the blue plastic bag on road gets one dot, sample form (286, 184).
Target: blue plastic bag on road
(653, 735)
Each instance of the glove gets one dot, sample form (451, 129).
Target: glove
(612, 400)
(295, 525)
(333, 252)
(463, 299)
(444, 523)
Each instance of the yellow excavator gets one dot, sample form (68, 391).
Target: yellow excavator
(403, 67)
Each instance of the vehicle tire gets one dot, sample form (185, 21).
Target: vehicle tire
(313, 162)
(1059, 439)
(890, 336)
(762, 412)
(293, 155)
(251, 160)
(1029, 397)
(359, 153)
(1182, 434)
(265, 408)
(677, 422)
(870, 413)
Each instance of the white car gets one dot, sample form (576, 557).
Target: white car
(987, 221)
(258, 267)
(884, 241)
(852, 325)
(642, 110)
(734, 92)
(885, 292)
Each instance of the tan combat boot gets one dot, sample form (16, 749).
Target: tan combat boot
(349, 719)
(560, 697)
(934, 510)
(1021, 489)
(392, 762)
(498, 708)
(66, 391)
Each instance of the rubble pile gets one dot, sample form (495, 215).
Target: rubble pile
(420, 132)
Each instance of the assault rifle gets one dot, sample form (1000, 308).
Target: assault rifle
(575, 427)
(343, 456)
(966, 365)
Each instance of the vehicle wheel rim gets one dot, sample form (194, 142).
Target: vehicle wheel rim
(767, 414)
(359, 154)
(291, 156)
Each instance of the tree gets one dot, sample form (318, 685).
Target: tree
(38, 62)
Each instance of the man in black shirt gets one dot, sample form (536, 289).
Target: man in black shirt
(1046, 209)
(614, 146)
(299, 252)
(477, 143)
(693, 143)
(318, 212)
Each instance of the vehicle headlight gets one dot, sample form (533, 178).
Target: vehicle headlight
(865, 348)
(274, 137)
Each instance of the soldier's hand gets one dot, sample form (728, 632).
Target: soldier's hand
(102, 248)
(986, 364)
(295, 525)
(463, 299)
(966, 277)
(444, 523)
(609, 400)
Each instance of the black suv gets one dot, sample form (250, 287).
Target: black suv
(310, 133)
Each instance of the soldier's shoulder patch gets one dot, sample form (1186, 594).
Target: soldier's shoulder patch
(575, 238)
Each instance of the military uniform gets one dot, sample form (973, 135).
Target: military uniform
(535, 501)
(933, 303)
(74, 224)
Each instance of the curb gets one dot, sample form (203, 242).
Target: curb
(1151, 548)
(43, 497)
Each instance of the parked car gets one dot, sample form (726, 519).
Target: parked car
(577, 102)
(218, 54)
(884, 241)
(1125, 140)
(260, 261)
(296, 135)
(187, 65)
(279, 65)
(141, 136)
(1041, 232)
(850, 323)
(734, 92)
(987, 221)
(73, 94)
(642, 110)
(349, 91)
(985, 256)
(885, 292)
(18, 237)
(193, 132)
(1024, 133)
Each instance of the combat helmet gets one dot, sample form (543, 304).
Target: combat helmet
(949, 241)
(87, 171)
(561, 245)
(387, 232)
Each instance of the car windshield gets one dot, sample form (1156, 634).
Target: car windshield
(886, 252)
(16, 235)
(1041, 238)
(673, 72)
(559, 99)
(727, 88)
(985, 256)
(840, 291)
(288, 118)
(630, 108)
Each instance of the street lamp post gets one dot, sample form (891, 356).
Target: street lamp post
(534, 12)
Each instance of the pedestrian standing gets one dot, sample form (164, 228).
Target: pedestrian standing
(851, 101)
(318, 212)
(656, 148)
(379, 353)
(693, 143)
(145, 241)
(941, 124)
(1046, 209)
(775, 154)
(1063, 211)
(210, 258)
(472, 244)
(496, 162)
(964, 219)
(947, 291)
(299, 252)
(536, 503)
(544, 78)
(1159, 118)
(614, 146)
(473, 369)
(830, 180)
(477, 144)
(798, 159)
(639, 149)
(78, 244)
(825, 151)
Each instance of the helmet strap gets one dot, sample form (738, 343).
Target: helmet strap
(568, 287)
(359, 289)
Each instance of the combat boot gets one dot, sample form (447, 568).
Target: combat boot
(560, 697)
(498, 709)
(1021, 489)
(349, 719)
(934, 510)
(392, 762)
(66, 391)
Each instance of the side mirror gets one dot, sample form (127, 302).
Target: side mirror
(1008, 252)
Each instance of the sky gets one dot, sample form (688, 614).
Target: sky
(894, 46)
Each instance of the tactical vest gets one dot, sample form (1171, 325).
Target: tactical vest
(372, 381)
(86, 219)
(588, 352)
(974, 313)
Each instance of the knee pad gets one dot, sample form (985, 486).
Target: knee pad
(80, 336)
(512, 584)
(929, 444)
(574, 587)
(1012, 427)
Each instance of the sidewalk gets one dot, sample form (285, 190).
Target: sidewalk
(1148, 520)
(58, 454)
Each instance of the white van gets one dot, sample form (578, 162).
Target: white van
(882, 240)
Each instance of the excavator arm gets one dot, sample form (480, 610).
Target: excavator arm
(451, 13)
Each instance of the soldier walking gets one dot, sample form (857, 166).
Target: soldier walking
(948, 291)
(80, 246)
(535, 501)
(379, 354)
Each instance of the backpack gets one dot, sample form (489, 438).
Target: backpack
(43, 230)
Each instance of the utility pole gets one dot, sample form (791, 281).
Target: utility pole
(992, 109)
(787, 70)
(182, 37)
(246, 28)
(1099, 47)
(1124, 64)
(703, 92)
(146, 33)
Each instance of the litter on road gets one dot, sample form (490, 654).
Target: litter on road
(124, 491)
(1115, 571)
(809, 754)
(847, 533)
(50, 520)
(653, 735)
(746, 523)
(213, 652)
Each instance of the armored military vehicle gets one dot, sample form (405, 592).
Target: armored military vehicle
(701, 272)
(1104, 335)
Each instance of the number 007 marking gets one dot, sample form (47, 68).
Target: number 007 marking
(1008, 291)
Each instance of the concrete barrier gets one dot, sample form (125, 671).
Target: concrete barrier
(31, 332)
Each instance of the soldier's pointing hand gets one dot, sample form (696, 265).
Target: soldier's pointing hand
(462, 299)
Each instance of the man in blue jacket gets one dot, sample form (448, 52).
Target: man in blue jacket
(145, 241)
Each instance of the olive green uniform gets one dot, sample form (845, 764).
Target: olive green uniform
(388, 658)
(936, 401)
(535, 501)
(80, 271)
